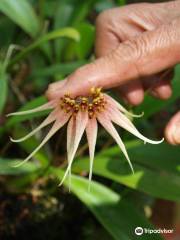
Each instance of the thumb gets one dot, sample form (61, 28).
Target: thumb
(142, 56)
(172, 131)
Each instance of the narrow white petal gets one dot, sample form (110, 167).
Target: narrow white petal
(51, 118)
(106, 123)
(114, 103)
(56, 126)
(80, 125)
(91, 132)
(116, 114)
(70, 140)
(71, 131)
(43, 107)
(125, 123)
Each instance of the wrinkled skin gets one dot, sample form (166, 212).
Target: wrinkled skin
(137, 47)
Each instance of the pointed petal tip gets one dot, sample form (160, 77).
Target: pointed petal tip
(46, 106)
(16, 165)
(137, 115)
(12, 114)
(132, 169)
(61, 183)
(160, 141)
(15, 140)
(155, 142)
(12, 140)
(131, 166)
(130, 114)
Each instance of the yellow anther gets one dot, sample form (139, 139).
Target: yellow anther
(93, 90)
(90, 106)
(98, 90)
(96, 100)
(67, 95)
(76, 107)
(72, 102)
(84, 100)
(93, 103)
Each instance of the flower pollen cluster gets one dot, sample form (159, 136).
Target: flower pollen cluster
(93, 103)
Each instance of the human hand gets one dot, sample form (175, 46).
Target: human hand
(135, 45)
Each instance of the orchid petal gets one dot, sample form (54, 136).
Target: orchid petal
(51, 118)
(71, 128)
(125, 123)
(80, 125)
(114, 103)
(116, 114)
(43, 107)
(106, 123)
(56, 126)
(91, 132)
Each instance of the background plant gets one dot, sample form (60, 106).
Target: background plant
(42, 42)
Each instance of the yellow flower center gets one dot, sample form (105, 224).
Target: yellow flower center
(93, 103)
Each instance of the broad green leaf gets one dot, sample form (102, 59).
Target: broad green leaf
(64, 32)
(7, 167)
(22, 13)
(81, 11)
(117, 215)
(157, 169)
(83, 48)
(64, 9)
(151, 105)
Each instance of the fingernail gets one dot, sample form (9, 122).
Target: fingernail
(176, 133)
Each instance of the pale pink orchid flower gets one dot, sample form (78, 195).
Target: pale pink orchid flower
(82, 114)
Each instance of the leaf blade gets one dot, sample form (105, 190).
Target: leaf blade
(151, 178)
(118, 216)
(22, 13)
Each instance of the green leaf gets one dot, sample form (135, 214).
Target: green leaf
(7, 30)
(64, 9)
(7, 167)
(3, 88)
(121, 2)
(117, 215)
(151, 105)
(64, 32)
(30, 105)
(103, 5)
(81, 10)
(83, 48)
(30, 144)
(22, 13)
(78, 15)
(55, 69)
(156, 167)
